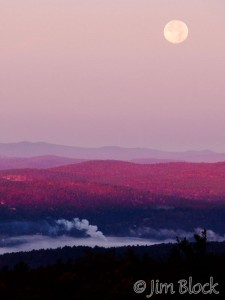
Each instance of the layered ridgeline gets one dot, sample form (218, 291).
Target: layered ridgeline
(120, 197)
(36, 162)
(142, 155)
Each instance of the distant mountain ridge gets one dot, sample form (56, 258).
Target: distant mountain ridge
(144, 155)
(36, 162)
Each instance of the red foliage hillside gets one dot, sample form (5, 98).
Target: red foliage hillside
(112, 183)
(188, 180)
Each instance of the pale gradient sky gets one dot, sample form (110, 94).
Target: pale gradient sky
(99, 72)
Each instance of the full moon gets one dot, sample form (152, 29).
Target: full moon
(176, 31)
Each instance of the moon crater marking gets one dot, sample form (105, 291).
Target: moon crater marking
(176, 31)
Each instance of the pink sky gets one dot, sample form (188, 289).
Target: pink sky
(99, 72)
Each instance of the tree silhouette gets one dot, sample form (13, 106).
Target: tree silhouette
(190, 252)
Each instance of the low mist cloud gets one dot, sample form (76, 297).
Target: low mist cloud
(53, 228)
(81, 225)
(211, 235)
(27, 235)
(31, 242)
(162, 234)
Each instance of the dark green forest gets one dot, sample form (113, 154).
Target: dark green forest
(96, 273)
